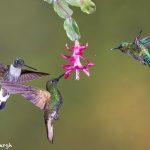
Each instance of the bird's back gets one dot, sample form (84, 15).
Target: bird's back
(145, 54)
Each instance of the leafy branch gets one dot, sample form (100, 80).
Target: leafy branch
(61, 7)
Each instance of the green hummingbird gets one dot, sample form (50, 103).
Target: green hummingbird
(48, 100)
(139, 49)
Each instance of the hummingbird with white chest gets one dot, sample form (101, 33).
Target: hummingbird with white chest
(15, 73)
(48, 100)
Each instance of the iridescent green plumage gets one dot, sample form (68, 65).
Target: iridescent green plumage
(48, 100)
(56, 98)
(139, 49)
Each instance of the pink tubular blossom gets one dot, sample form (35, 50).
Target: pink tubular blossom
(74, 63)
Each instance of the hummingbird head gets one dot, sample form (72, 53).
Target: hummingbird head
(53, 81)
(19, 63)
(123, 47)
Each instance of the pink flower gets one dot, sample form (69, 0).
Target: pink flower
(74, 63)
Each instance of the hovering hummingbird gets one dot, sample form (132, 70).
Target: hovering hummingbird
(139, 49)
(48, 100)
(15, 73)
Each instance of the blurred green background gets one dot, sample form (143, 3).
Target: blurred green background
(110, 110)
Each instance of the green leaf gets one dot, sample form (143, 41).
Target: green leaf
(72, 29)
(48, 1)
(86, 6)
(62, 9)
(76, 3)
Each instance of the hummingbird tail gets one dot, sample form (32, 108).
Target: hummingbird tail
(49, 126)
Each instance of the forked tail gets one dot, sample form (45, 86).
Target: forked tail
(49, 126)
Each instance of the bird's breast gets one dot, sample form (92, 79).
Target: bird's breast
(14, 73)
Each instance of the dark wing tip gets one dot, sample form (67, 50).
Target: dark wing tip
(28, 75)
(43, 73)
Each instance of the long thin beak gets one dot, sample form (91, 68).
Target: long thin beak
(114, 48)
(30, 67)
(60, 76)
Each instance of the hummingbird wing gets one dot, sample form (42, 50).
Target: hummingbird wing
(36, 96)
(28, 75)
(146, 42)
(137, 40)
(49, 125)
(3, 70)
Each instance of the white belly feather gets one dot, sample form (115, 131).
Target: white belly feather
(14, 73)
(3, 98)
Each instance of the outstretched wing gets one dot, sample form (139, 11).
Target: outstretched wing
(3, 70)
(146, 42)
(137, 40)
(28, 75)
(38, 97)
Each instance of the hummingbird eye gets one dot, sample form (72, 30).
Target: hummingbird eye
(52, 81)
(21, 62)
(120, 46)
(18, 62)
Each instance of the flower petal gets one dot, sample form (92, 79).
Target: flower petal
(74, 63)
(77, 74)
(90, 64)
(86, 71)
(68, 67)
(68, 48)
(72, 60)
(67, 74)
(65, 56)
(79, 53)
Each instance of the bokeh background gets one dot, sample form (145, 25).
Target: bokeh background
(110, 110)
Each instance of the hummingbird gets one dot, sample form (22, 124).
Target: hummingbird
(15, 73)
(139, 49)
(49, 100)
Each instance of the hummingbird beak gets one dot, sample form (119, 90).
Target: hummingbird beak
(30, 67)
(114, 48)
(119, 47)
(60, 77)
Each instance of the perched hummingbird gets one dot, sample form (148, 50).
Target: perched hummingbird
(139, 49)
(15, 73)
(48, 100)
